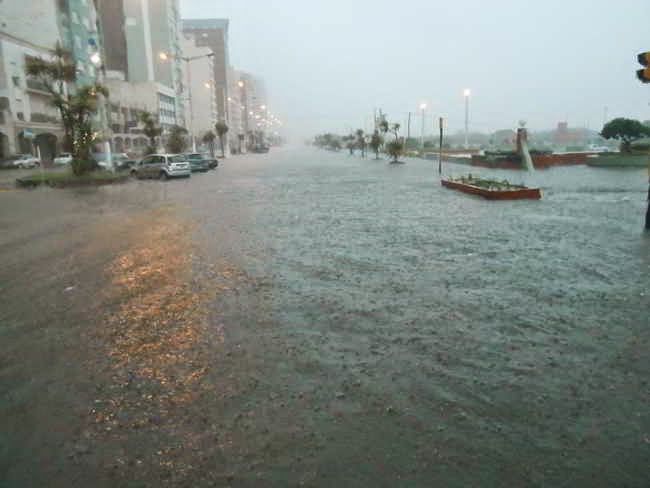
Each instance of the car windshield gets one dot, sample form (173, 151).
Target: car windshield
(412, 254)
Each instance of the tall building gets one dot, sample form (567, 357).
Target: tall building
(142, 55)
(28, 122)
(80, 36)
(237, 133)
(213, 33)
(201, 107)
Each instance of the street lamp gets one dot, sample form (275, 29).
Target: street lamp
(423, 107)
(467, 93)
(165, 57)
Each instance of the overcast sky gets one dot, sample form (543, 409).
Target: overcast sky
(327, 64)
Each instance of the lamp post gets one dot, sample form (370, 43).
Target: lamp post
(467, 93)
(165, 56)
(423, 107)
(96, 60)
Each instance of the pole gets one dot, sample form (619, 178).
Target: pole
(466, 121)
(647, 213)
(408, 131)
(189, 92)
(422, 132)
(440, 147)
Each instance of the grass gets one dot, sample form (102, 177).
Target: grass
(61, 179)
(488, 184)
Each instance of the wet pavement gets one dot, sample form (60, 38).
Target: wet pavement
(303, 318)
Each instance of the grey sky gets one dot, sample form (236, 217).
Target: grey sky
(327, 64)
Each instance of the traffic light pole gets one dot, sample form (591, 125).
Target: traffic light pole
(647, 212)
(644, 76)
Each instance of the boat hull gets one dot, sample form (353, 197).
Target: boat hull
(515, 194)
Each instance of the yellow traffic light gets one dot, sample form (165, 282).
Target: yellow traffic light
(644, 74)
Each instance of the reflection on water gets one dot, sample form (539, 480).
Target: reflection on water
(153, 341)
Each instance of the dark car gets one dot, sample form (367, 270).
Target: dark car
(201, 162)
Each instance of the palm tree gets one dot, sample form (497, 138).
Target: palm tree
(222, 130)
(151, 130)
(209, 138)
(376, 141)
(361, 142)
(76, 107)
(395, 148)
(177, 142)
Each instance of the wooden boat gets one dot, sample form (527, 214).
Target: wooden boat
(497, 191)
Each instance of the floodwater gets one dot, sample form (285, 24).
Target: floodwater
(304, 318)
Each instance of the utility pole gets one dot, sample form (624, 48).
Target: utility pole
(644, 76)
(408, 131)
(467, 94)
(423, 107)
(441, 123)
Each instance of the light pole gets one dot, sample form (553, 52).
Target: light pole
(423, 108)
(467, 93)
(96, 60)
(164, 56)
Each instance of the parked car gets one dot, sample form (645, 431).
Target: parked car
(198, 162)
(121, 161)
(162, 166)
(25, 161)
(63, 158)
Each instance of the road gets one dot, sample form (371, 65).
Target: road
(305, 318)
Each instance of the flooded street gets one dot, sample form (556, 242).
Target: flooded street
(307, 318)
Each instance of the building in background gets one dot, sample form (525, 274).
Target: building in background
(28, 122)
(143, 56)
(201, 111)
(213, 33)
(237, 133)
(80, 35)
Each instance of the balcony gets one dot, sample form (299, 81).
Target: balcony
(36, 85)
(40, 118)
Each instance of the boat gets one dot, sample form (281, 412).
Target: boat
(492, 189)
(541, 159)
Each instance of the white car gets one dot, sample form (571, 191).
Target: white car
(63, 158)
(25, 161)
(162, 166)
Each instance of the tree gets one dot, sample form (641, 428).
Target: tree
(76, 105)
(376, 141)
(624, 130)
(222, 130)
(176, 143)
(361, 142)
(395, 148)
(209, 138)
(350, 143)
(151, 130)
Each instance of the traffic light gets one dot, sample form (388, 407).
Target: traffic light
(644, 74)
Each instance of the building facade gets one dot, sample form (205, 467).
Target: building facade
(213, 33)
(143, 56)
(201, 111)
(28, 122)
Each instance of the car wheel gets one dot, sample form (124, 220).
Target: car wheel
(163, 175)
